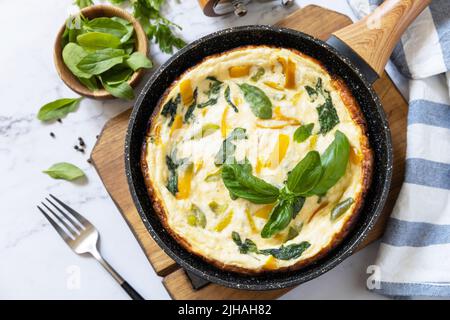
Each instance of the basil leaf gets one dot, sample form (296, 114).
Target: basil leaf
(334, 162)
(244, 247)
(240, 182)
(228, 99)
(303, 132)
(121, 90)
(65, 171)
(57, 109)
(227, 149)
(328, 117)
(101, 60)
(170, 108)
(98, 40)
(260, 104)
(107, 25)
(305, 175)
(172, 182)
(340, 208)
(282, 214)
(72, 55)
(137, 61)
(292, 251)
(258, 74)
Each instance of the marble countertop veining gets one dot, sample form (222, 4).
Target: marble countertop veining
(34, 262)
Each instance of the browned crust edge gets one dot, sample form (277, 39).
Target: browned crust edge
(366, 167)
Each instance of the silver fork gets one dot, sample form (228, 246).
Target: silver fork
(81, 236)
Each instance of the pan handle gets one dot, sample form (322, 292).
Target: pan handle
(374, 37)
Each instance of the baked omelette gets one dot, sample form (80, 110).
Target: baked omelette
(257, 160)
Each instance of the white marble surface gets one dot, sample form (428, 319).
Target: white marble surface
(34, 262)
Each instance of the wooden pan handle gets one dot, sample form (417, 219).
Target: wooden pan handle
(375, 36)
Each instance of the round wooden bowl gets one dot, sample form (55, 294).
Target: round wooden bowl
(141, 45)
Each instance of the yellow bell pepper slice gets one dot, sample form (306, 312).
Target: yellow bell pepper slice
(313, 141)
(223, 122)
(296, 98)
(187, 95)
(177, 124)
(239, 71)
(251, 221)
(184, 183)
(270, 264)
(355, 156)
(279, 152)
(290, 75)
(283, 63)
(264, 211)
(224, 222)
(273, 85)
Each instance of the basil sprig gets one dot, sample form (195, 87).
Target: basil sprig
(314, 175)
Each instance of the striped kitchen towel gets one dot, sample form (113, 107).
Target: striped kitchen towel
(414, 257)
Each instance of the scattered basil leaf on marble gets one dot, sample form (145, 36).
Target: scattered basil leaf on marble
(340, 208)
(227, 96)
(303, 132)
(258, 101)
(334, 161)
(58, 109)
(97, 62)
(65, 171)
(138, 60)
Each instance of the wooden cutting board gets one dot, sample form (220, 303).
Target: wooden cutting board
(108, 159)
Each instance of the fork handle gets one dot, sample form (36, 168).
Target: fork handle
(125, 285)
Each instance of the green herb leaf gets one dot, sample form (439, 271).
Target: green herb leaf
(138, 60)
(107, 25)
(334, 161)
(120, 90)
(282, 214)
(57, 109)
(172, 182)
(293, 232)
(72, 55)
(98, 40)
(292, 251)
(65, 171)
(305, 175)
(170, 108)
(303, 132)
(240, 182)
(227, 149)
(228, 99)
(190, 110)
(83, 3)
(128, 26)
(197, 217)
(244, 247)
(101, 60)
(340, 208)
(90, 83)
(258, 74)
(260, 104)
(117, 74)
(328, 117)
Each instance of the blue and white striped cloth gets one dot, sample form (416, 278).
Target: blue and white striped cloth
(414, 257)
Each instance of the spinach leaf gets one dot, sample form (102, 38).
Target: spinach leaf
(293, 232)
(107, 25)
(282, 214)
(117, 74)
(260, 104)
(240, 182)
(170, 108)
(244, 247)
(340, 208)
(72, 55)
(190, 110)
(228, 99)
(305, 175)
(65, 171)
(98, 40)
(292, 251)
(334, 161)
(303, 132)
(328, 117)
(90, 83)
(128, 26)
(101, 60)
(172, 182)
(57, 109)
(212, 92)
(227, 149)
(314, 92)
(137, 61)
(258, 74)
(119, 90)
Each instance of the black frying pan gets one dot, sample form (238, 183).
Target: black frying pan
(358, 69)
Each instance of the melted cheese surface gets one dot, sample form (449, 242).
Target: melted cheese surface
(268, 142)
